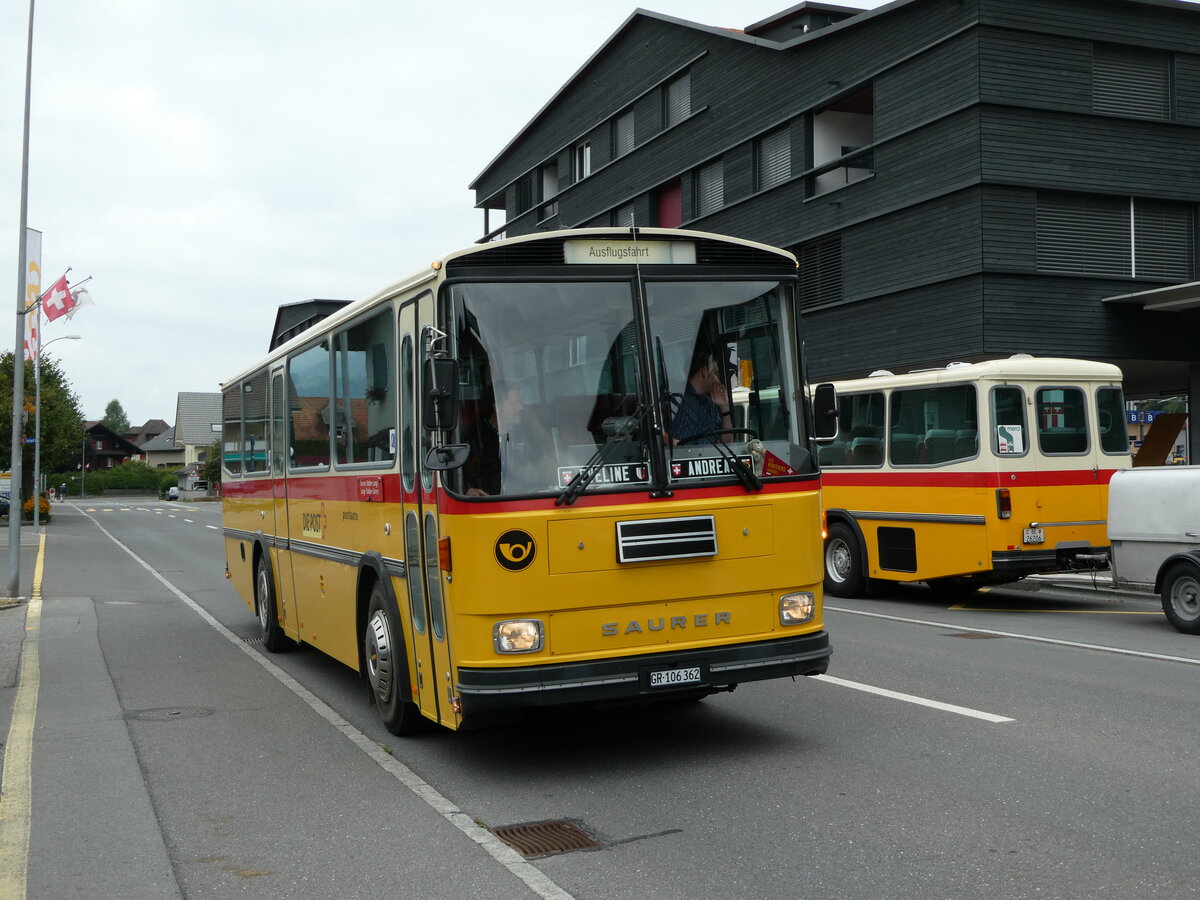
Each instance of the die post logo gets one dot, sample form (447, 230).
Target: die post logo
(515, 550)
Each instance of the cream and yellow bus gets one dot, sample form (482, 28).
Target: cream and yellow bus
(972, 474)
(473, 487)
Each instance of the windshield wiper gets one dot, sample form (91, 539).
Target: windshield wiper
(618, 429)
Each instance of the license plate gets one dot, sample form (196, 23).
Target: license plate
(1035, 536)
(672, 677)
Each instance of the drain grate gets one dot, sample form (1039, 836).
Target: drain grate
(533, 839)
(167, 713)
(975, 636)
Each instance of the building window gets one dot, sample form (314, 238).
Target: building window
(1131, 82)
(525, 194)
(677, 100)
(772, 159)
(820, 271)
(839, 133)
(667, 205)
(1118, 237)
(549, 183)
(623, 134)
(583, 160)
(624, 216)
(709, 183)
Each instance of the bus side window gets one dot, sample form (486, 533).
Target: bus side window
(1009, 434)
(1061, 420)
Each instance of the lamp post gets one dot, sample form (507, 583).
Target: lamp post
(37, 427)
(18, 388)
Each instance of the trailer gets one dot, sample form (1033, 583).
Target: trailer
(1154, 535)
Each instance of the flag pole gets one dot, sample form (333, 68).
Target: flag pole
(18, 391)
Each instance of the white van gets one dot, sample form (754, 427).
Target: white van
(1154, 533)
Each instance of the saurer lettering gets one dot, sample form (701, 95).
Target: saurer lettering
(665, 623)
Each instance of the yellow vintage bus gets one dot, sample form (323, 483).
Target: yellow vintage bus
(475, 489)
(972, 474)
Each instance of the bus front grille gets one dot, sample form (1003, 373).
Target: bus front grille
(643, 540)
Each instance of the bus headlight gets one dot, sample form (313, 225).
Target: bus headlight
(798, 608)
(517, 636)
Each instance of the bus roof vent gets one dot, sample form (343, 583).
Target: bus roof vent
(956, 365)
(1021, 356)
(879, 372)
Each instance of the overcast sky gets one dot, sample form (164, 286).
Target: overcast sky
(207, 162)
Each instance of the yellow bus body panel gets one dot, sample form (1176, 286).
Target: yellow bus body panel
(576, 586)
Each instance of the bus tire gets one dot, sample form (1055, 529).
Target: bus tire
(273, 638)
(843, 562)
(1181, 597)
(386, 665)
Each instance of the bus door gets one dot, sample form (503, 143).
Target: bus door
(1071, 491)
(276, 523)
(430, 531)
(418, 501)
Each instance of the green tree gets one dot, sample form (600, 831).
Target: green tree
(62, 420)
(210, 469)
(115, 419)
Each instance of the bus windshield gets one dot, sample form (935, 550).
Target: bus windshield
(553, 371)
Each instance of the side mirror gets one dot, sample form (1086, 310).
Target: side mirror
(450, 456)
(825, 413)
(440, 382)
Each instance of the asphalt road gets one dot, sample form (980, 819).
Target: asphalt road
(1028, 742)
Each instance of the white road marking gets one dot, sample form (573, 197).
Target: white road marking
(537, 880)
(920, 701)
(1121, 651)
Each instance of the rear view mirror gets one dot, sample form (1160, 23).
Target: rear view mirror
(440, 382)
(825, 413)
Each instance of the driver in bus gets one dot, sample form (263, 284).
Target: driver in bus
(704, 408)
(506, 452)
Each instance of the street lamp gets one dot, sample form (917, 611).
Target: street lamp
(37, 426)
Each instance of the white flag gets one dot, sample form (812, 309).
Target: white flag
(80, 297)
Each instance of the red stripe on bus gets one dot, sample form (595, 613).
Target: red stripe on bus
(378, 488)
(456, 506)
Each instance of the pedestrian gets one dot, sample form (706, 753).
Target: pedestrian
(62, 493)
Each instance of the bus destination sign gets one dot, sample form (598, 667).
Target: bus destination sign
(625, 252)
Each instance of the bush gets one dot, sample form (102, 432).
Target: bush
(43, 509)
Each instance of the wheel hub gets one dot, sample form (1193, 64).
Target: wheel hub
(379, 655)
(262, 597)
(839, 561)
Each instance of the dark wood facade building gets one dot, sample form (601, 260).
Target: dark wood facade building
(960, 179)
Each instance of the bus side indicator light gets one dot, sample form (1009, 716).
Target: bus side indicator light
(444, 554)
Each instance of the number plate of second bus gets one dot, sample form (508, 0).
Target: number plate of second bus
(672, 677)
(1034, 536)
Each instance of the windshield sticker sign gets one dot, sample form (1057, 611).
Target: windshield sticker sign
(614, 473)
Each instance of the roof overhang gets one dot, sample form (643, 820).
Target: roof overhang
(1173, 298)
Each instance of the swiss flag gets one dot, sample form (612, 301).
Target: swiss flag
(57, 301)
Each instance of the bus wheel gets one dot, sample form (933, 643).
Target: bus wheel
(273, 637)
(843, 563)
(387, 666)
(1181, 597)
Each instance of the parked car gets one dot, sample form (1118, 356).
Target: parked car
(171, 493)
(200, 486)
(5, 500)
